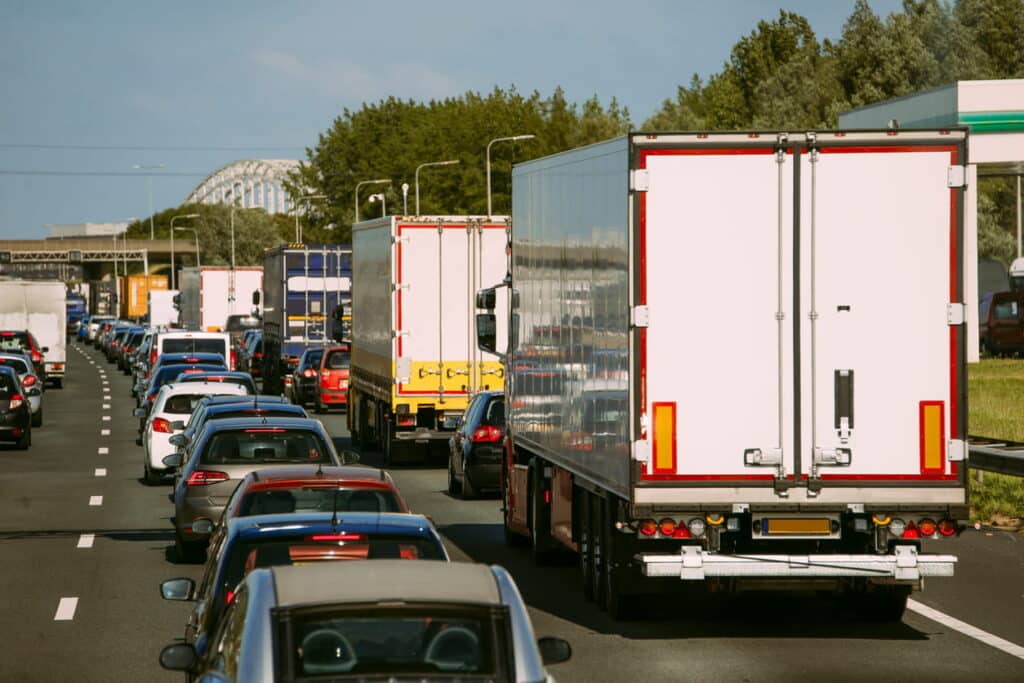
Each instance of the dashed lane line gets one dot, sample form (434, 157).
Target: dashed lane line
(103, 450)
(104, 432)
(86, 540)
(966, 629)
(95, 501)
(106, 418)
(106, 406)
(101, 471)
(66, 609)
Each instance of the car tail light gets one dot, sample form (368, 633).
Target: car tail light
(152, 358)
(947, 527)
(16, 401)
(151, 397)
(161, 425)
(486, 434)
(29, 381)
(310, 372)
(648, 527)
(406, 420)
(36, 356)
(204, 477)
(927, 527)
(257, 354)
(264, 431)
(229, 597)
(233, 358)
(337, 537)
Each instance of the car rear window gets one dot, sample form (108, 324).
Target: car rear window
(170, 372)
(192, 345)
(19, 366)
(312, 358)
(223, 379)
(265, 445)
(337, 360)
(317, 499)
(182, 404)
(416, 641)
(7, 388)
(14, 341)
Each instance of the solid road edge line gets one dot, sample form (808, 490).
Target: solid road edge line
(966, 629)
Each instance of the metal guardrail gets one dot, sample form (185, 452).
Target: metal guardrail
(994, 455)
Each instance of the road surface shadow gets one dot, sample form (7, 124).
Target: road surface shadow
(556, 589)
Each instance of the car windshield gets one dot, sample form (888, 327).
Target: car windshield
(337, 360)
(414, 641)
(317, 499)
(265, 445)
(16, 364)
(14, 341)
(193, 345)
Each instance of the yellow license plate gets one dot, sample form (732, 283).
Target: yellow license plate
(801, 526)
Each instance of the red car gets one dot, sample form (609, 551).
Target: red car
(332, 387)
(347, 488)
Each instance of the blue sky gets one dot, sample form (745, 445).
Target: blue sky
(212, 82)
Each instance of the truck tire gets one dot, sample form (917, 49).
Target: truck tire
(586, 543)
(512, 539)
(542, 546)
(618, 604)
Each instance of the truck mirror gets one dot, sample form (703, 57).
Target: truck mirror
(486, 299)
(256, 298)
(487, 331)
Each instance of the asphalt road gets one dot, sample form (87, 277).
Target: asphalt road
(48, 509)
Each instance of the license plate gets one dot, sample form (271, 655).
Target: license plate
(796, 527)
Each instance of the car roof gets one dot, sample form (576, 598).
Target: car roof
(193, 333)
(294, 524)
(279, 408)
(385, 580)
(175, 388)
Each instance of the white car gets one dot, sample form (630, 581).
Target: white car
(175, 402)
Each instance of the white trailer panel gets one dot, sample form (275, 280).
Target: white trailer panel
(40, 307)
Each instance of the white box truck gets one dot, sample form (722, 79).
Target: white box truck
(40, 307)
(415, 362)
(710, 384)
(212, 293)
(162, 310)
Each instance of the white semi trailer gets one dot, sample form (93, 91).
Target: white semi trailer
(40, 307)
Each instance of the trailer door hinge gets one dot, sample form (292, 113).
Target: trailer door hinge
(956, 450)
(639, 316)
(639, 180)
(955, 314)
(956, 176)
(642, 451)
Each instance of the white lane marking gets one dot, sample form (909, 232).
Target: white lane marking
(966, 629)
(106, 418)
(101, 471)
(95, 501)
(106, 406)
(66, 609)
(86, 540)
(104, 432)
(103, 450)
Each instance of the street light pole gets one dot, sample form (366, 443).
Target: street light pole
(514, 138)
(149, 192)
(174, 218)
(405, 199)
(195, 233)
(450, 162)
(367, 182)
(306, 198)
(383, 204)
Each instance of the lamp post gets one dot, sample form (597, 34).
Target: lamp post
(405, 199)
(367, 182)
(149, 192)
(174, 218)
(195, 233)
(383, 204)
(514, 138)
(295, 205)
(234, 205)
(450, 162)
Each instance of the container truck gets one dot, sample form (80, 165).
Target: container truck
(77, 307)
(414, 363)
(102, 297)
(162, 310)
(39, 306)
(210, 294)
(704, 389)
(134, 290)
(307, 290)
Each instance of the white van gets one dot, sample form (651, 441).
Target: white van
(176, 341)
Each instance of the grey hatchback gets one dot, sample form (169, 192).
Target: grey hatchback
(220, 457)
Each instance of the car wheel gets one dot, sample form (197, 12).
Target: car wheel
(25, 441)
(468, 490)
(149, 476)
(37, 419)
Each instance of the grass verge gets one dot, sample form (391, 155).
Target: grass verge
(996, 409)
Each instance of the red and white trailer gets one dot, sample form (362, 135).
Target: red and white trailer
(739, 359)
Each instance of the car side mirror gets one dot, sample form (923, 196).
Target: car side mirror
(172, 460)
(349, 457)
(177, 440)
(177, 425)
(139, 412)
(177, 589)
(179, 657)
(203, 527)
(45, 349)
(554, 650)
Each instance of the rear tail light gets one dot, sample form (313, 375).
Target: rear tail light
(257, 354)
(234, 359)
(36, 356)
(648, 527)
(16, 401)
(204, 477)
(911, 531)
(29, 381)
(310, 372)
(486, 434)
(667, 526)
(927, 527)
(337, 537)
(406, 420)
(947, 527)
(152, 358)
(161, 425)
(151, 398)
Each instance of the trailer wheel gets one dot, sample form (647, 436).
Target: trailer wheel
(586, 545)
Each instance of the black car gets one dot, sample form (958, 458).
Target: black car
(305, 377)
(475, 451)
(15, 414)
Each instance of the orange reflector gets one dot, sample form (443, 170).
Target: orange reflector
(933, 436)
(664, 419)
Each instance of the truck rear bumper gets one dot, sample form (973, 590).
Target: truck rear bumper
(423, 435)
(695, 564)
